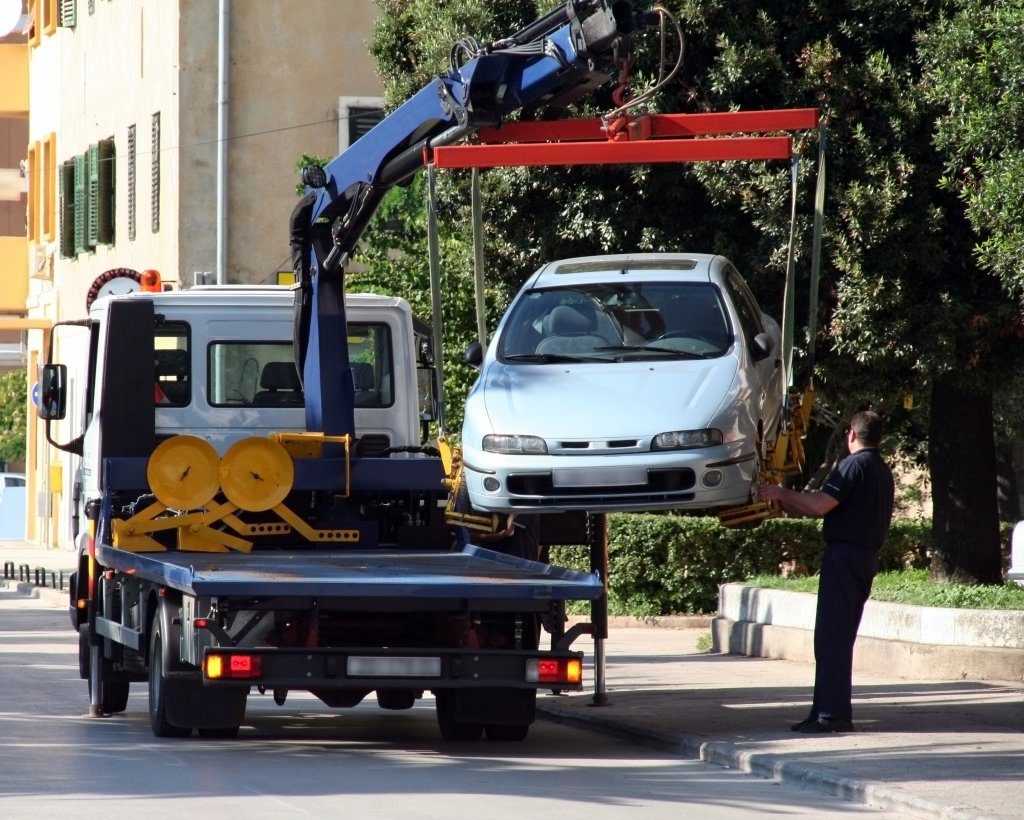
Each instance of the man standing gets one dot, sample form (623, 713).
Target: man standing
(856, 503)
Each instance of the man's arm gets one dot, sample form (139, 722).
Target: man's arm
(810, 505)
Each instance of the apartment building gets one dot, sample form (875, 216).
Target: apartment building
(163, 135)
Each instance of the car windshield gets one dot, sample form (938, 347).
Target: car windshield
(616, 322)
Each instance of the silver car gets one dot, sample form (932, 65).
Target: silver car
(629, 382)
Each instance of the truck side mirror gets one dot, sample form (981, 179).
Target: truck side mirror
(53, 379)
(474, 355)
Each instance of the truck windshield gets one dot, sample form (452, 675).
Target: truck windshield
(617, 321)
(262, 373)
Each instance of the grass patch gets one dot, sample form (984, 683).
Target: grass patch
(913, 586)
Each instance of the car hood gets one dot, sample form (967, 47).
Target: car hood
(598, 400)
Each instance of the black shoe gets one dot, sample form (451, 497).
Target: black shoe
(825, 725)
(807, 721)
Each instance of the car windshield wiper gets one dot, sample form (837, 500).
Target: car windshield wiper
(546, 357)
(679, 354)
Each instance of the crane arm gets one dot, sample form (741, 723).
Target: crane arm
(549, 64)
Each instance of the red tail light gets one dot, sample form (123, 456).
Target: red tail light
(554, 670)
(233, 667)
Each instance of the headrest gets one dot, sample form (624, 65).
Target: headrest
(567, 320)
(279, 376)
(171, 362)
(362, 375)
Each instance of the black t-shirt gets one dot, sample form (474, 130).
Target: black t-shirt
(864, 487)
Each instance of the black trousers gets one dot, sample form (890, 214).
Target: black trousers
(847, 571)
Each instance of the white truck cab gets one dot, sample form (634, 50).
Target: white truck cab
(224, 369)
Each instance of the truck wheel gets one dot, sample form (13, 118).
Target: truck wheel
(512, 734)
(114, 695)
(452, 729)
(158, 688)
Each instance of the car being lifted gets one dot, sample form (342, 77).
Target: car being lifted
(626, 382)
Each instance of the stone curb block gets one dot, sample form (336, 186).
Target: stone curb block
(726, 754)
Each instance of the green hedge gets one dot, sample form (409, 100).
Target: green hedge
(670, 564)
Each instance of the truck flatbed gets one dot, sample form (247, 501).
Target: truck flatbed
(472, 573)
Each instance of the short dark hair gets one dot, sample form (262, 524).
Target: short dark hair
(868, 426)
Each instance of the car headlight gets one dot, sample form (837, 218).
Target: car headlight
(515, 445)
(686, 439)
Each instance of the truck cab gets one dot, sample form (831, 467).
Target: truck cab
(223, 369)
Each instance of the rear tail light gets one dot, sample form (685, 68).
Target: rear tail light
(554, 670)
(232, 667)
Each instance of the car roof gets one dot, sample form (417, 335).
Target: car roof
(686, 267)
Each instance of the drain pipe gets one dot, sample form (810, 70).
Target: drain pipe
(223, 25)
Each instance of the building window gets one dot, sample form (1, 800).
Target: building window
(68, 13)
(131, 183)
(100, 218)
(67, 209)
(42, 207)
(81, 183)
(356, 116)
(33, 192)
(48, 199)
(155, 188)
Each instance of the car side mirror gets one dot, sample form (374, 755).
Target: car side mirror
(53, 397)
(763, 346)
(474, 355)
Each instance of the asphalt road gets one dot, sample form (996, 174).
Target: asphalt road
(304, 759)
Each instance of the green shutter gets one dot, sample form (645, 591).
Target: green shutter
(93, 197)
(105, 200)
(68, 13)
(67, 209)
(80, 204)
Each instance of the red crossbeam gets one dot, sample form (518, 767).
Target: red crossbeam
(610, 153)
(658, 126)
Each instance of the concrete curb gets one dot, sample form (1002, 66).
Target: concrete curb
(55, 597)
(726, 754)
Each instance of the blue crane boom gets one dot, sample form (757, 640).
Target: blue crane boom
(549, 64)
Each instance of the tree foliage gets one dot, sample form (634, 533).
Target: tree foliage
(975, 70)
(13, 393)
(905, 306)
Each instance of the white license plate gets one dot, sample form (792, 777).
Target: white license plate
(599, 476)
(377, 667)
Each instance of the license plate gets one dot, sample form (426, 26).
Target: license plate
(599, 476)
(378, 667)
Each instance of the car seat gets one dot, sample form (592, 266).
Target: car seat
(571, 329)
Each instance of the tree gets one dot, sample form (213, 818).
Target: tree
(905, 306)
(13, 393)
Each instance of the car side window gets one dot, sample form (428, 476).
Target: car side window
(746, 307)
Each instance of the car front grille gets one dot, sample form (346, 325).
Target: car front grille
(662, 485)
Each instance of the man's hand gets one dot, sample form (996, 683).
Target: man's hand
(813, 504)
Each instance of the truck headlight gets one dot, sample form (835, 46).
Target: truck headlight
(515, 445)
(686, 439)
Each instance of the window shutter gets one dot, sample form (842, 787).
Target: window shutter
(105, 199)
(155, 186)
(68, 13)
(361, 120)
(93, 197)
(80, 204)
(131, 183)
(67, 209)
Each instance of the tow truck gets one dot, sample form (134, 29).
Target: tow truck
(255, 526)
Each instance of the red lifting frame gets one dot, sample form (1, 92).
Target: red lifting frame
(648, 139)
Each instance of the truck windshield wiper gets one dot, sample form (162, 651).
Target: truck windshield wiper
(679, 354)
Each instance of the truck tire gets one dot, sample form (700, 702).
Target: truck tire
(452, 729)
(158, 687)
(114, 692)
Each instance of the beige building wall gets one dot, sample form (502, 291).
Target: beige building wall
(290, 61)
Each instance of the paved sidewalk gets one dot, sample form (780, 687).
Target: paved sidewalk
(950, 749)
